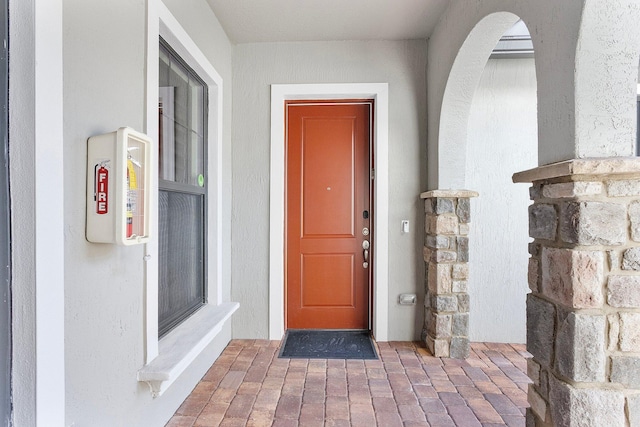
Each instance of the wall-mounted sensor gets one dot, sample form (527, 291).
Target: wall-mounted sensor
(407, 299)
(405, 225)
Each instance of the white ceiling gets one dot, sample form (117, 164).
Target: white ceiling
(253, 21)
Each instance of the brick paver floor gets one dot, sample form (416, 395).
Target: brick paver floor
(250, 386)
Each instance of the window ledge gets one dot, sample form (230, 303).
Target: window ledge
(182, 345)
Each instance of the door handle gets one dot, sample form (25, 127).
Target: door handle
(365, 247)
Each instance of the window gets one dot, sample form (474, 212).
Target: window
(188, 207)
(182, 195)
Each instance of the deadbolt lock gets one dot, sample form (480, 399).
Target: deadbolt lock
(365, 231)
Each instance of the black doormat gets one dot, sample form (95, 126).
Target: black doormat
(327, 344)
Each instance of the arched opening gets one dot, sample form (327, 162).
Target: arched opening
(583, 219)
(462, 82)
(488, 131)
(502, 139)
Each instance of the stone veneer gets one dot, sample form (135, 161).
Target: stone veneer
(583, 312)
(446, 256)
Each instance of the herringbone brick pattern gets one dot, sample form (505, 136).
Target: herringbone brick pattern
(249, 386)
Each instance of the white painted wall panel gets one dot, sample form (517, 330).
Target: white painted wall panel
(502, 139)
(256, 66)
(36, 174)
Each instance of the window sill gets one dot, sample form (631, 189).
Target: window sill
(181, 346)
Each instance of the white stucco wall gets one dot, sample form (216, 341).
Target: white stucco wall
(23, 283)
(448, 38)
(464, 77)
(105, 83)
(569, 57)
(257, 66)
(502, 140)
(606, 61)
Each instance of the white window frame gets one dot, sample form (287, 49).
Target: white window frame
(167, 358)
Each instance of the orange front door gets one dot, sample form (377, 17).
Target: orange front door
(327, 214)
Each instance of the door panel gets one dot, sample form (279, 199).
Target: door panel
(327, 192)
(327, 268)
(328, 184)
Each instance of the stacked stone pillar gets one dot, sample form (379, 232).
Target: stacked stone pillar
(583, 312)
(446, 254)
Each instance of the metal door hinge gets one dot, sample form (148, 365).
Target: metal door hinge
(373, 174)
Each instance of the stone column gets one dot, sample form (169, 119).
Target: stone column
(583, 312)
(446, 254)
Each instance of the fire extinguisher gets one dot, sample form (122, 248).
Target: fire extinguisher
(132, 186)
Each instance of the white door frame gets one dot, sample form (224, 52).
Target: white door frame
(279, 94)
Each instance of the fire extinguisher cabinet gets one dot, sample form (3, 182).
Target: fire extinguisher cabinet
(118, 187)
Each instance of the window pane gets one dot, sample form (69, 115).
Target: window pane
(197, 100)
(181, 201)
(182, 103)
(197, 160)
(181, 256)
(197, 133)
(164, 68)
(181, 153)
(179, 80)
(167, 132)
